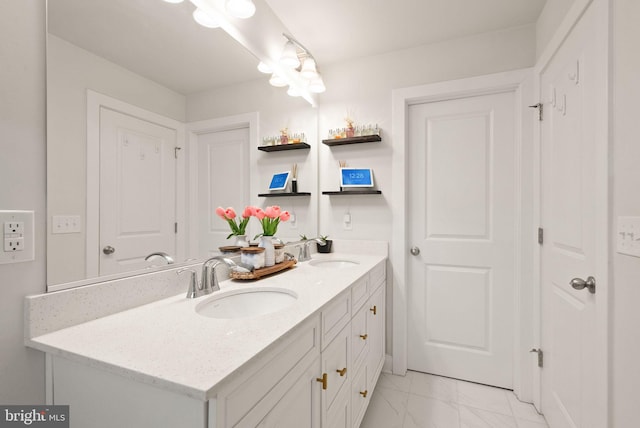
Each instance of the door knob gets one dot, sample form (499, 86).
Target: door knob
(589, 284)
(415, 251)
(108, 250)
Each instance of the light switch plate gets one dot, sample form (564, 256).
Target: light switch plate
(17, 236)
(628, 236)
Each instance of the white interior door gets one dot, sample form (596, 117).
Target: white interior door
(462, 209)
(137, 191)
(223, 180)
(572, 192)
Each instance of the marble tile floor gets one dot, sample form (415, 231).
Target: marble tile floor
(420, 400)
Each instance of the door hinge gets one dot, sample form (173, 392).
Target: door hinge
(175, 151)
(175, 227)
(540, 356)
(540, 108)
(540, 235)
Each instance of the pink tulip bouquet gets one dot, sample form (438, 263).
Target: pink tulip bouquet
(270, 218)
(239, 227)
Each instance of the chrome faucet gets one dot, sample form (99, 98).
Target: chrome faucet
(162, 254)
(208, 279)
(305, 254)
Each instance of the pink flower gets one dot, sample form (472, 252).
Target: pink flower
(229, 213)
(259, 214)
(272, 212)
(285, 216)
(248, 212)
(220, 212)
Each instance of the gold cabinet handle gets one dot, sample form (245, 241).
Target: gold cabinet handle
(342, 372)
(364, 393)
(364, 336)
(323, 379)
(374, 310)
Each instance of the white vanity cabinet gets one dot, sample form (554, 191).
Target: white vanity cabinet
(320, 374)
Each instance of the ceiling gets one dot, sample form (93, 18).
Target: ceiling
(162, 42)
(335, 30)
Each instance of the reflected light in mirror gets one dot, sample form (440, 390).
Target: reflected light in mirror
(241, 8)
(264, 68)
(277, 81)
(289, 57)
(205, 19)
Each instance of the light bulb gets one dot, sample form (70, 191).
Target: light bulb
(240, 8)
(317, 85)
(204, 19)
(289, 57)
(264, 68)
(293, 91)
(308, 70)
(277, 81)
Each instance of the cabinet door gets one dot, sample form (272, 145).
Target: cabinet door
(359, 338)
(335, 361)
(360, 393)
(300, 406)
(376, 326)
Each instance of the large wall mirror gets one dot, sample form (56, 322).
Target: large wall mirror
(125, 71)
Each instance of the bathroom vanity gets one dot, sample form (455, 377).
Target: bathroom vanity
(175, 362)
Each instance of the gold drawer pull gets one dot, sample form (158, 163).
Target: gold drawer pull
(364, 336)
(374, 310)
(342, 372)
(364, 393)
(323, 379)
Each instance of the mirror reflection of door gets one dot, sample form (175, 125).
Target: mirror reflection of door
(223, 180)
(137, 191)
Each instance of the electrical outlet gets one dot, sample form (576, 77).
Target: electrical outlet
(13, 244)
(18, 236)
(13, 227)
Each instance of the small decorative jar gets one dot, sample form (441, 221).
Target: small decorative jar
(253, 256)
(279, 252)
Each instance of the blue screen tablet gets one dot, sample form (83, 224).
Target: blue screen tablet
(279, 181)
(356, 177)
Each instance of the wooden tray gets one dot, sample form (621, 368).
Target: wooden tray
(259, 273)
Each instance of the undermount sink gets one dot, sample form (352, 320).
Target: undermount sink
(333, 263)
(246, 303)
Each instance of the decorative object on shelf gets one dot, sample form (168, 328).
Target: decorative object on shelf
(270, 218)
(342, 164)
(253, 256)
(294, 178)
(326, 248)
(242, 241)
(239, 228)
(284, 136)
(349, 131)
(266, 242)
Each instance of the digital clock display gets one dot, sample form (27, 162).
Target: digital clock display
(356, 177)
(279, 181)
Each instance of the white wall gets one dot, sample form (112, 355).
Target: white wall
(548, 22)
(70, 72)
(625, 298)
(22, 170)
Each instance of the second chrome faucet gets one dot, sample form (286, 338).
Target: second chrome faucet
(208, 279)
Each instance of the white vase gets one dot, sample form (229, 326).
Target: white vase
(266, 242)
(242, 241)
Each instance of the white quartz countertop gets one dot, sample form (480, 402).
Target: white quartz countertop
(167, 344)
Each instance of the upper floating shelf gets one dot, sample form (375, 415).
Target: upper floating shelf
(282, 147)
(352, 140)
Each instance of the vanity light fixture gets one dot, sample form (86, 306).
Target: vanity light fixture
(289, 57)
(317, 85)
(308, 70)
(293, 91)
(242, 9)
(278, 81)
(264, 68)
(205, 19)
(174, 1)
